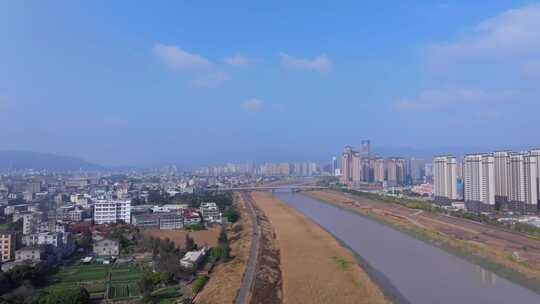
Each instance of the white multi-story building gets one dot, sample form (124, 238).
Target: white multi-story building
(108, 211)
(356, 168)
(444, 177)
(378, 170)
(502, 163)
(522, 178)
(346, 165)
(535, 153)
(55, 239)
(31, 221)
(479, 178)
(210, 212)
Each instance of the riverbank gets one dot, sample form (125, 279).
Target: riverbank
(226, 277)
(315, 267)
(510, 255)
(267, 285)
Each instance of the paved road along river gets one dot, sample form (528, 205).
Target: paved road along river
(409, 269)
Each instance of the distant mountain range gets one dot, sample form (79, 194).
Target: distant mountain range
(17, 160)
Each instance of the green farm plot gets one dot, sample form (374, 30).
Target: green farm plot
(121, 279)
(82, 273)
(125, 274)
(167, 295)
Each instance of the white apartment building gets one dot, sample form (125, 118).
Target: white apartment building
(108, 211)
(346, 165)
(535, 153)
(55, 239)
(356, 167)
(210, 212)
(502, 163)
(444, 177)
(378, 170)
(479, 178)
(522, 178)
(31, 221)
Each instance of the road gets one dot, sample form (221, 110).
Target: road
(249, 273)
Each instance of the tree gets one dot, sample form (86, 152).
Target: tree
(232, 215)
(66, 296)
(198, 284)
(222, 238)
(146, 285)
(15, 226)
(86, 240)
(5, 282)
(190, 244)
(225, 252)
(19, 274)
(223, 245)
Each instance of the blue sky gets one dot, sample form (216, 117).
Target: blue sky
(193, 82)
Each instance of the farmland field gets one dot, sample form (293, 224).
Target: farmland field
(202, 238)
(167, 295)
(96, 277)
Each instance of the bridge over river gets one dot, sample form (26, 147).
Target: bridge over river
(271, 188)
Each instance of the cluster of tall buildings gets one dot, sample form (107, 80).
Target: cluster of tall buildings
(265, 169)
(360, 166)
(500, 179)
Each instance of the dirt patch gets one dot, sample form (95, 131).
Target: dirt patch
(202, 237)
(226, 277)
(315, 267)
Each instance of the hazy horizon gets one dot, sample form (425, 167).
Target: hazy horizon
(192, 83)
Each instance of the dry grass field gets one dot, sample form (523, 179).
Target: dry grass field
(315, 267)
(225, 278)
(268, 284)
(202, 238)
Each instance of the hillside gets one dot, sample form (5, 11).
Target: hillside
(16, 160)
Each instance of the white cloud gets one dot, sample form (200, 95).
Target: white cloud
(236, 60)
(320, 63)
(252, 105)
(177, 58)
(436, 99)
(511, 35)
(210, 81)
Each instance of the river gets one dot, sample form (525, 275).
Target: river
(408, 269)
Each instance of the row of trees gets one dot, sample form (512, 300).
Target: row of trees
(222, 250)
(21, 275)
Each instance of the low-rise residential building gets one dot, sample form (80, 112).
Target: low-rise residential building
(55, 239)
(8, 244)
(145, 220)
(31, 221)
(107, 247)
(171, 220)
(210, 212)
(169, 208)
(192, 259)
(70, 213)
(11, 209)
(191, 217)
(31, 253)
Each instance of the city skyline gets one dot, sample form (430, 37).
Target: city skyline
(195, 83)
(269, 152)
